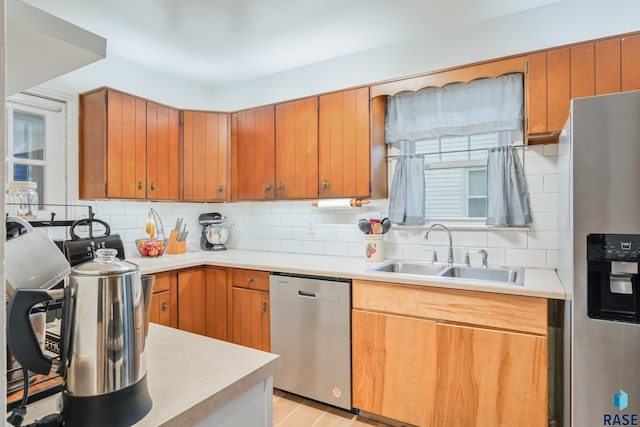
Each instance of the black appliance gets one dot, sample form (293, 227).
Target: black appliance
(613, 290)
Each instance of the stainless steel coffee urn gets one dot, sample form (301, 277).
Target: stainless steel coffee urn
(103, 351)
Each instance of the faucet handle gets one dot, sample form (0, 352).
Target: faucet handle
(435, 254)
(482, 252)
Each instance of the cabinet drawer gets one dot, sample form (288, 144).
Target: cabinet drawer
(163, 282)
(493, 310)
(250, 279)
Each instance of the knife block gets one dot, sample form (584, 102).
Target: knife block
(174, 246)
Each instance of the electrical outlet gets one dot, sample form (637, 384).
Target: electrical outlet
(311, 227)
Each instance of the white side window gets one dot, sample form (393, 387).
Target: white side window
(36, 142)
(455, 173)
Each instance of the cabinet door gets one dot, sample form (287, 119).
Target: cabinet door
(255, 143)
(191, 301)
(215, 297)
(607, 66)
(163, 157)
(126, 146)
(164, 303)
(112, 145)
(558, 88)
(344, 144)
(394, 366)
(582, 70)
(205, 149)
(490, 378)
(161, 308)
(250, 318)
(630, 58)
(537, 93)
(297, 149)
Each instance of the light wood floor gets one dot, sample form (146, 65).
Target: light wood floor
(294, 411)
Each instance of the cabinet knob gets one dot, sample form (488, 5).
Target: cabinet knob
(140, 185)
(280, 186)
(264, 306)
(220, 188)
(325, 183)
(249, 279)
(267, 187)
(153, 186)
(164, 306)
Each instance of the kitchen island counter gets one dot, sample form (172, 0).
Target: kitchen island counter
(195, 380)
(538, 282)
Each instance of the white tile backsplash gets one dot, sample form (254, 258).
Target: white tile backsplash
(283, 226)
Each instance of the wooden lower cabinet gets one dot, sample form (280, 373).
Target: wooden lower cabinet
(394, 366)
(164, 301)
(442, 357)
(489, 378)
(250, 314)
(202, 301)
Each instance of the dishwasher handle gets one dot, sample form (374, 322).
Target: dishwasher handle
(306, 294)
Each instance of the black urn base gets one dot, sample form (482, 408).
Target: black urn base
(118, 409)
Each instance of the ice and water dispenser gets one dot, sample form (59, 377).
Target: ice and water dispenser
(613, 283)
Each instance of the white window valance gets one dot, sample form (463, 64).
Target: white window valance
(480, 106)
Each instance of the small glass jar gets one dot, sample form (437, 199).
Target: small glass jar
(22, 199)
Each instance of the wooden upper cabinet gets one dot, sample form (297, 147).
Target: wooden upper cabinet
(344, 144)
(163, 152)
(252, 133)
(128, 147)
(536, 94)
(607, 66)
(205, 156)
(582, 70)
(548, 91)
(112, 145)
(558, 88)
(630, 58)
(296, 149)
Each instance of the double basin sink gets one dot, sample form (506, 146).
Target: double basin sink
(508, 275)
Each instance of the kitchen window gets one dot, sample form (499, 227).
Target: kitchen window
(441, 139)
(455, 173)
(36, 145)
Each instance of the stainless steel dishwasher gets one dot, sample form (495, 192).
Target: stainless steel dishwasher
(311, 331)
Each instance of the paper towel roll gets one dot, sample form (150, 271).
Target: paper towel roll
(334, 204)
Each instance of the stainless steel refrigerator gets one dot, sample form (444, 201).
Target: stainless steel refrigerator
(598, 259)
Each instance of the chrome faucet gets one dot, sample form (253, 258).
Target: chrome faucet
(481, 252)
(450, 257)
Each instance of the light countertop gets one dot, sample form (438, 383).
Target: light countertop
(538, 282)
(190, 376)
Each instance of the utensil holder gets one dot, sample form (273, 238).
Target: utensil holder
(373, 247)
(174, 246)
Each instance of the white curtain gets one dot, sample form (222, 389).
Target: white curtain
(485, 105)
(507, 195)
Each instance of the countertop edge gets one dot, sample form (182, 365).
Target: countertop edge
(539, 282)
(202, 409)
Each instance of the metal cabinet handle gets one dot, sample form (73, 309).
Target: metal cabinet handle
(153, 186)
(267, 187)
(164, 305)
(220, 188)
(264, 306)
(325, 183)
(140, 187)
(249, 279)
(280, 186)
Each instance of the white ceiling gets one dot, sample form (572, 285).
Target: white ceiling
(217, 43)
